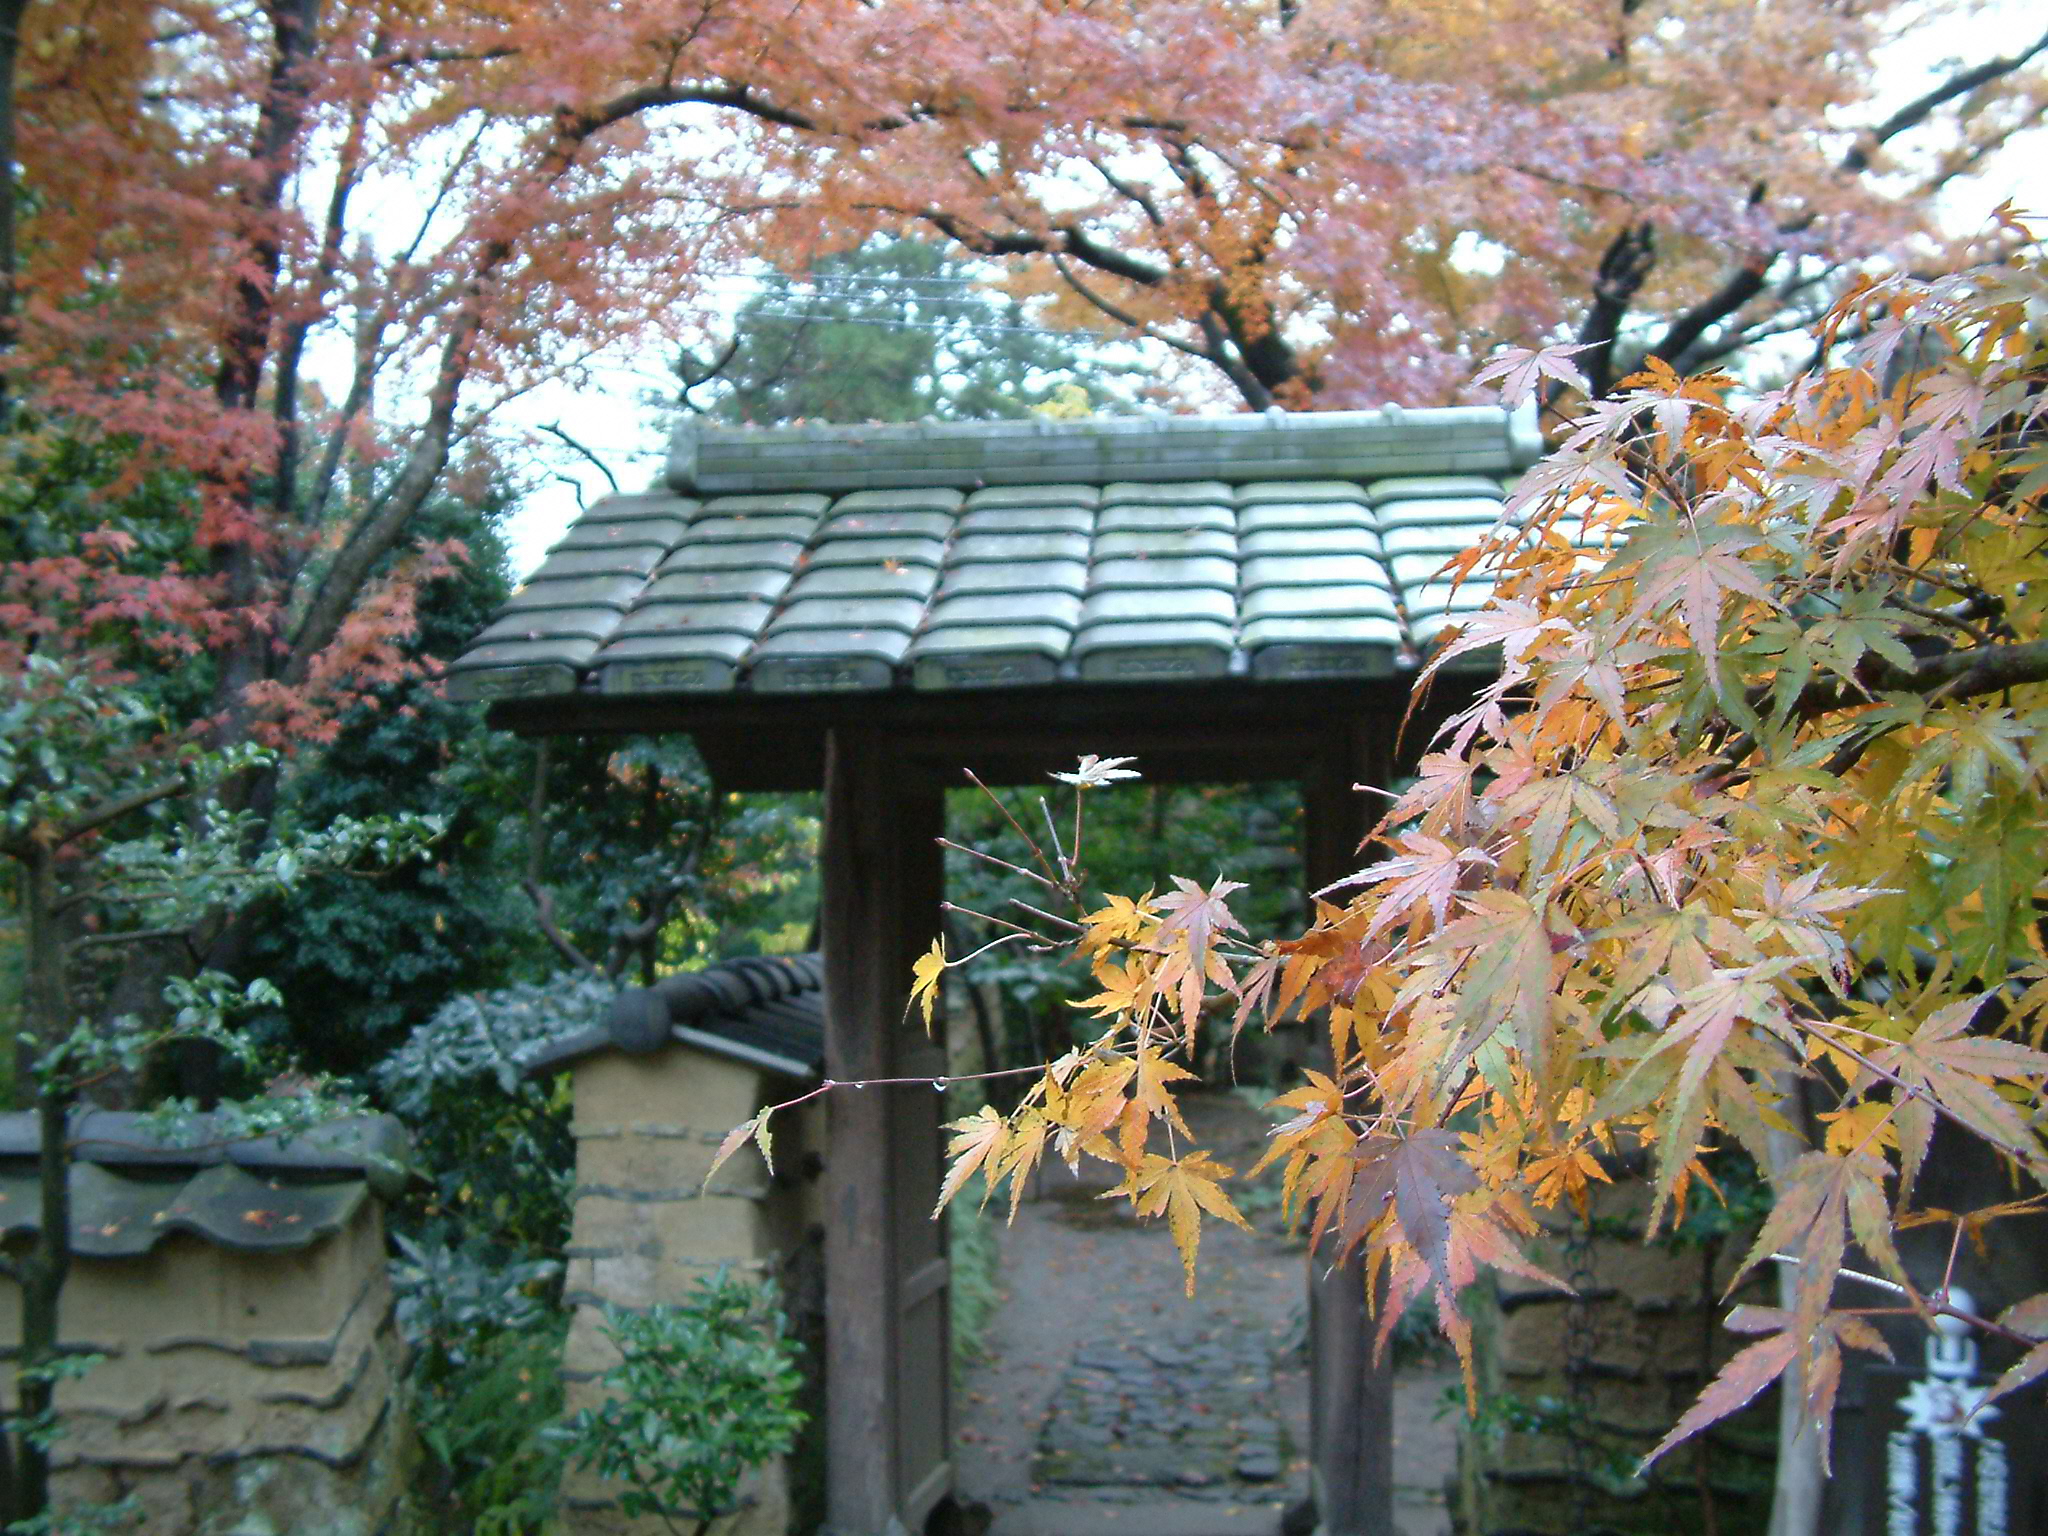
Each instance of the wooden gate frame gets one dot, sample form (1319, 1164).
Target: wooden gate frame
(884, 762)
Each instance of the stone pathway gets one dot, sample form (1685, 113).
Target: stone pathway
(1112, 1405)
(1194, 1413)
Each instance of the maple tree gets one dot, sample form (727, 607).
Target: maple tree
(239, 238)
(1740, 846)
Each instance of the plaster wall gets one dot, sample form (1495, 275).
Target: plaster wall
(646, 1229)
(239, 1394)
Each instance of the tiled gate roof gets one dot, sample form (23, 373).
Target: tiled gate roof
(974, 555)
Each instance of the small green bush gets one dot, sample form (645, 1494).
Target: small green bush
(705, 1392)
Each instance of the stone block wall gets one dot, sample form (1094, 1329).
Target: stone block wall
(241, 1393)
(646, 1229)
(1573, 1393)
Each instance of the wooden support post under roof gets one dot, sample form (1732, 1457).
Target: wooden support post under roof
(888, 1421)
(1351, 1407)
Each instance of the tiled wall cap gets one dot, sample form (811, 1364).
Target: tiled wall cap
(1432, 538)
(559, 650)
(1427, 599)
(653, 505)
(480, 684)
(1325, 659)
(886, 645)
(730, 648)
(1305, 541)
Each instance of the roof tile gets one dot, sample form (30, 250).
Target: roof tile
(1137, 606)
(1015, 576)
(883, 524)
(1165, 517)
(767, 525)
(1028, 520)
(1160, 650)
(661, 532)
(1334, 601)
(988, 656)
(1309, 571)
(551, 623)
(903, 549)
(737, 616)
(868, 579)
(1431, 487)
(828, 660)
(691, 663)
(1059, 609)
(843, 613)
(1035, 496)
(1184, 541)
(736, 555)
(970, 548)
(580, 592)
(1203, 525)
(1167, 572)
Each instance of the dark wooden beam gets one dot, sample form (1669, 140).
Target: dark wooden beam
(879, 906)
(1351, 1406)
(1226, 730)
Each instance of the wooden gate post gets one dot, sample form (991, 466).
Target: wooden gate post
(887, 1411)
(1351, 1400)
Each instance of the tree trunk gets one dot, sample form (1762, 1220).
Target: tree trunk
(42, 1270)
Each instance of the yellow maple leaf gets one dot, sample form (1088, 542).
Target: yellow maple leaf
(1868, 1124)
(976, 1140)
(1183, 1188)
(924, 980)
(1125, 989)
(1122, 921)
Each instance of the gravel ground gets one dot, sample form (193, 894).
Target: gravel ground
(1109, 1401)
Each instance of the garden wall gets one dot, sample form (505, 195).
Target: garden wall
(656, 1091)
(1574, 1392)
(239, 1299)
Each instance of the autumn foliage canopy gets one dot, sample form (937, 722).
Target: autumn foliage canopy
(1742, 844)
